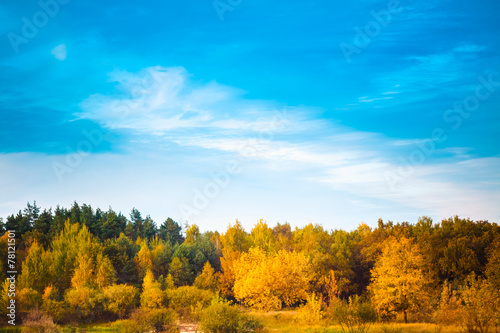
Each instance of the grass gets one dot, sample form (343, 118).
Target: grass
(283, 322)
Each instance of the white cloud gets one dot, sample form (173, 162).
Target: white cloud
(60, 52)
(165, 103)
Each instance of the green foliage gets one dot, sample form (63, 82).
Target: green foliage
(220, 317)
(354, 316)
(186, 299)
(159, 320)
(28, 299)
(85, 302)
(180, 271)
(120, 298)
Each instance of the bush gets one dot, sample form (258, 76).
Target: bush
(120, 298)
(479, 305)
(39, 322)
(159, 320)
(354, 316)
(148, 320)
(185, 300)
(220, 317)
(311, 312)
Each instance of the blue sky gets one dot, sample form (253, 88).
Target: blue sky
(306, 111)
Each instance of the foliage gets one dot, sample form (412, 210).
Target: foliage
(158, 320)
(186, 299)
(120, 298)
(39, 322)
(52, 303)
(265, 281)
(354, 316)
(207, 279)
(220, 317)
(87, 303)
(399, 281)
(480, 305)
(152, 295)
(312, 312)
(28, 299)
(449, 309)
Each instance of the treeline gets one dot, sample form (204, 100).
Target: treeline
(76, 263)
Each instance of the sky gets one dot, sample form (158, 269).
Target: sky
(326, 112)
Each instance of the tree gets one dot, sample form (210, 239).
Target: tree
(399, 282)
(207, 279)
(120, 298)
(152, 295)
(179, 269)
(480, 305)
(262, 237)
(266, 281)
(35, 270)
(170, 231)
(143, 259)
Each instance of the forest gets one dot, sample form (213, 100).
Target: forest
(86, 266)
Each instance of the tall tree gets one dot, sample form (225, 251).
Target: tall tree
(399, 280)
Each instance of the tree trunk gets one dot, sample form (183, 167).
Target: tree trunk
(406, 318)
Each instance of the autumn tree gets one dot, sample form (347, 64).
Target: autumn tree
(266, 281)
(207, 279)
(399, 281)
(120, 298)
(152, 295)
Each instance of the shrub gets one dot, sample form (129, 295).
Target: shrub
(311, 312)
(159, 320)
(52, 303)
(85, 302)
(479, 305)
(120, 298)
(220, 317)
(29, 299)
(186, 299)
(39, 322)
(354, 316)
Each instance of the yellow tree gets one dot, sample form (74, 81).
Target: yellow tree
(266, 281)
(121, 298)
(152, 295)
(399, 281)
(207, 279)
(143, 259)
(262, 237)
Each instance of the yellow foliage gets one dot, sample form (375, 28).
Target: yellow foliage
(265, 281)
(83, 273)
(152, 295)
(121, 298)
(207, 280)
(399, 283)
